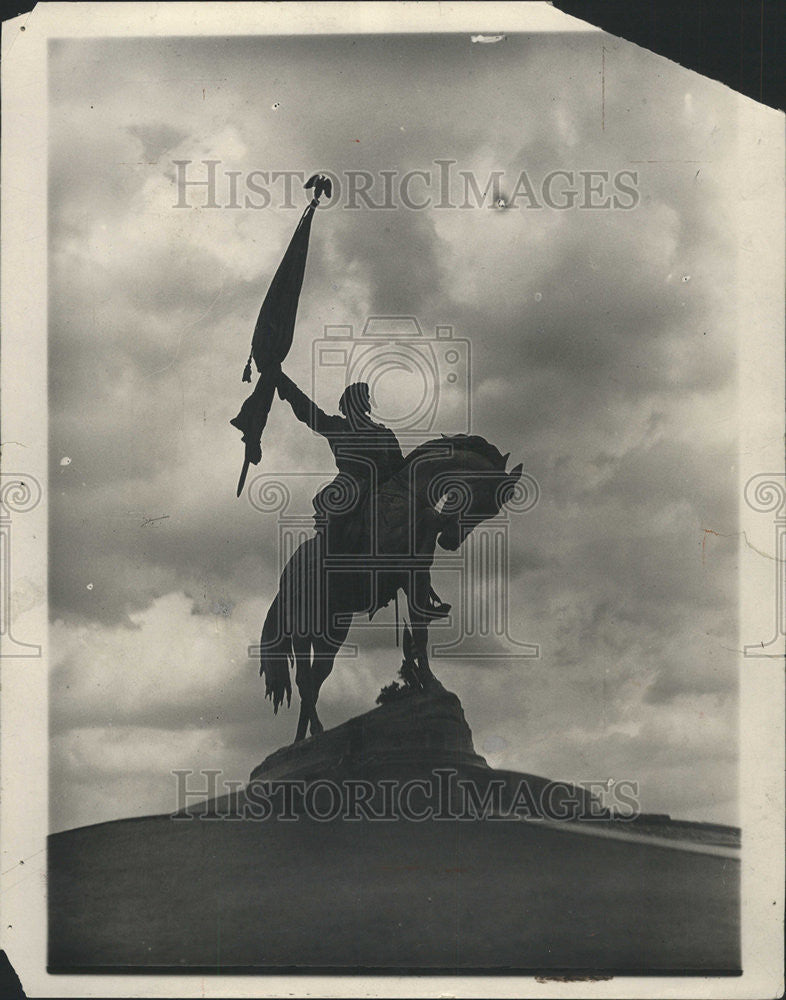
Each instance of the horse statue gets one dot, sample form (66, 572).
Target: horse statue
(444, 489)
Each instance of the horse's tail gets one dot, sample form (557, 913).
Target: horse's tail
(276, 655)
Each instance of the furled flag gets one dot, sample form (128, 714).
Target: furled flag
(273, 333)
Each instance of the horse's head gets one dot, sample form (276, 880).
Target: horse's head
(476, 488)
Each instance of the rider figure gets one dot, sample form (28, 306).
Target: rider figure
(367, 454)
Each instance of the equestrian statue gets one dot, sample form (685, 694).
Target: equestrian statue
(378, 522)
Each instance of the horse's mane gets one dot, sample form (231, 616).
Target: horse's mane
(463, 442)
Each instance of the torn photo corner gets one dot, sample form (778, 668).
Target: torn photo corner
(474, 683)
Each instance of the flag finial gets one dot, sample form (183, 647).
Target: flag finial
(321, 185)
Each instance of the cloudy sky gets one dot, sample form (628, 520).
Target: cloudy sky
(602, 356)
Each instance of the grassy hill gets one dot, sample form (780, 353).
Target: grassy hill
(221, 895)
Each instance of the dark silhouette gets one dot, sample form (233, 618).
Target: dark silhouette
(367, 454)
(439, 493)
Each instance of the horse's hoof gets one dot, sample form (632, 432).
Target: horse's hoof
(425, 679)
(409, 676)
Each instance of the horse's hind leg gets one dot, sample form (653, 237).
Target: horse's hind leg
(302, 722)
(316, 725)
(302, 650)
(325, 650)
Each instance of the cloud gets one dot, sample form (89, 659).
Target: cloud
(602, 356)
(157, 138)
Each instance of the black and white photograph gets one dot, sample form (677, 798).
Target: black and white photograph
(393, 507)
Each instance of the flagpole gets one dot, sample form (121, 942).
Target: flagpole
(243, 473)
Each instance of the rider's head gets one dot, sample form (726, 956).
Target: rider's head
(355, 400)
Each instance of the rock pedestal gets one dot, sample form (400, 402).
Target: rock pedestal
(413, 737)
(416, 731)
